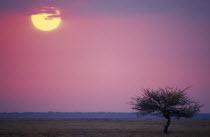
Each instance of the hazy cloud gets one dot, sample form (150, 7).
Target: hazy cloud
(112, 7)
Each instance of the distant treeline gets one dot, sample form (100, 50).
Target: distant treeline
(96, 115)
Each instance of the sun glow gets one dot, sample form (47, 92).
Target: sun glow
(48, 20)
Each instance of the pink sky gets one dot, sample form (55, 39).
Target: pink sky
(96, 63)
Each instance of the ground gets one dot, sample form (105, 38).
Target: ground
(102, 128)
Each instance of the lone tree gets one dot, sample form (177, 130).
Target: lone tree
(167, 102)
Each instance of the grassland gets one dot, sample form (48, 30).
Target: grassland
(101, 128)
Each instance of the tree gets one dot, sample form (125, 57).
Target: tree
(167, 102)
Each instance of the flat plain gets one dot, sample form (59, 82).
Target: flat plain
(31, 127)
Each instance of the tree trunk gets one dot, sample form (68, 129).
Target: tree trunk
(167, 124)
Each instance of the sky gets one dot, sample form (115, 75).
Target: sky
(103, 53)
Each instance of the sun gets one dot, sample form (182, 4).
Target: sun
(48, 19)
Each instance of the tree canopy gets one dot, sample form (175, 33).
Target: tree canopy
(167, 102)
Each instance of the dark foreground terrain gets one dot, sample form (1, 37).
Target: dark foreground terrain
(25, 127)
